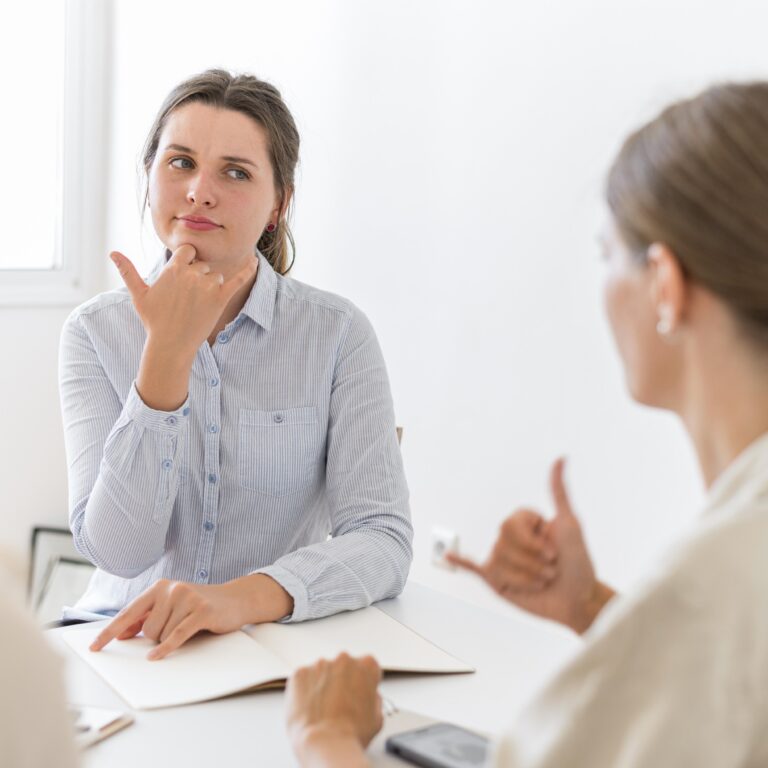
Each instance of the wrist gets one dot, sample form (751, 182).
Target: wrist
(174, 355)
(329, 743)
(593, 603)
(263, 598)
(163, 377)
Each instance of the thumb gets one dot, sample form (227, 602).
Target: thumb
(132, 279)
(563, 506)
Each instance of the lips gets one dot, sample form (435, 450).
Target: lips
(199, 223)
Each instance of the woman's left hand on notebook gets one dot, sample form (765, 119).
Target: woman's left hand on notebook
(171, 612)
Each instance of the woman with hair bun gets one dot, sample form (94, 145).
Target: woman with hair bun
(674, 673)
(221, 419)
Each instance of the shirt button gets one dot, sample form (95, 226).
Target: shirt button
(223, 338)
(211, 478)
(171, 420)
(185, 412)
(277, 418)
(203, 574)
(167, 464)
(213, 429)
(208, 525)
(214, 382)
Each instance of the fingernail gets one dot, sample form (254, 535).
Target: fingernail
(152, 655)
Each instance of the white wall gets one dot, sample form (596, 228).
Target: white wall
(452, 162)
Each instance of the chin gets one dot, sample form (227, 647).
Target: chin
(645, 392)
(201, 252)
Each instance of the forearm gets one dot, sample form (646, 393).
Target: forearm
(325, 746)
(345, 573)
(260, 598)
(122, 495)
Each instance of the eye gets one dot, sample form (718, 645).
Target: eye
(238, 174)
(181, 163)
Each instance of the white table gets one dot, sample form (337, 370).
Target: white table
(513, 655)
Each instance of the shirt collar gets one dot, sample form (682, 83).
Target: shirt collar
(744, 479)
(260, 304)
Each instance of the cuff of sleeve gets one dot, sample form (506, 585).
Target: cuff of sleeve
(294, 587)
(161, 421)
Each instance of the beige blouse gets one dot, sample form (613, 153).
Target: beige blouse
(36, 731)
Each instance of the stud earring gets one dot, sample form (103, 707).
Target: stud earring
(271, 228)
(664, 326)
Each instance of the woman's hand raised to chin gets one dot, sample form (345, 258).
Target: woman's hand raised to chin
(544, 566)
(178, 311)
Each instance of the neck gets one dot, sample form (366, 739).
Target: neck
(236, 303)
(725, 407)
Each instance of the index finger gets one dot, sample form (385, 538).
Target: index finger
(130, 615)
(464, 562)
(185, 254)
(525, 530)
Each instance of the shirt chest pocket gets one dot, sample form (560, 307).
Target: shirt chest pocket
(277, 450)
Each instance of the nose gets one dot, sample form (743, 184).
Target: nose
(201, 191)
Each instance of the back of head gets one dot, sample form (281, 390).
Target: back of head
(696, 179)
(263, 103)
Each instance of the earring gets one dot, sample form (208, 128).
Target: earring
(271, 227)
(664, 326)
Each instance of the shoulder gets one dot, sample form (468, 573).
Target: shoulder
(102, 307)
(313, 301)
(711, 584)
(289, 289)
(723, 555)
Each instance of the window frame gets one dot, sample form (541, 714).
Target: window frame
(83, 182)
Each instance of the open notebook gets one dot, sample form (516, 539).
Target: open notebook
(261, 656)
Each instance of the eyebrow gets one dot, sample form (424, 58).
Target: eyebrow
(228, 158)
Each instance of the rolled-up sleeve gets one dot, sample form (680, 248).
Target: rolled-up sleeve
(121, 458)
(369, 553)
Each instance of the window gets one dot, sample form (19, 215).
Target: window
(53, 132)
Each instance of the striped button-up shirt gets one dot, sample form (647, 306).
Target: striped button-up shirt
(287, 436)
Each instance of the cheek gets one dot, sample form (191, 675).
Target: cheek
(634, 331)
(625, 316)
(615, 300)
(252, 213)
(157, 195)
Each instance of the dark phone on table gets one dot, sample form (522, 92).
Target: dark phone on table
(441, 745)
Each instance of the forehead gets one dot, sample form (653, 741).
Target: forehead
(216, 131)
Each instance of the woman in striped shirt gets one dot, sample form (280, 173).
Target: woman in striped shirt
(222, 419)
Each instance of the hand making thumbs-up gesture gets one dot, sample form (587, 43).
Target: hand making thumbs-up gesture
(179, 312)
(543, 566)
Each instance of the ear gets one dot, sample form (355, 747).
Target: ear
(281, 206)
(669, 292)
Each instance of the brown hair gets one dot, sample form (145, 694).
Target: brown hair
(696, 179)
(261, 102)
